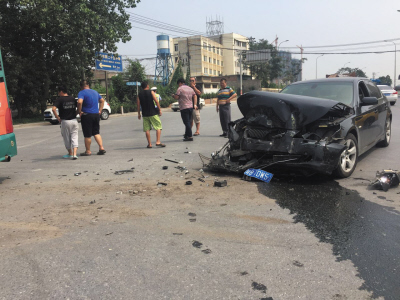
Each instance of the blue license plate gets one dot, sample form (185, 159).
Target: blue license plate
(259, 174)
(387, 94)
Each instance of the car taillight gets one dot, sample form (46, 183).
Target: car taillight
(9, 123)
(395, 93)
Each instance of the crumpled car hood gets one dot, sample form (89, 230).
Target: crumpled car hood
(282, 110)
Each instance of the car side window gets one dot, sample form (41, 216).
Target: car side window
(362, 90)
(373, 90)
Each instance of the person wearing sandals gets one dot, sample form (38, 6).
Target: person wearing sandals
(187, 101)
(196, 113)
(66, 115)
(150, 112)
(90, 105)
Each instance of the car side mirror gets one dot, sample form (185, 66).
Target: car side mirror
(369, 101)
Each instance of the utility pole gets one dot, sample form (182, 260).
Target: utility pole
(188, 56)
(105, 74)
(241, 76)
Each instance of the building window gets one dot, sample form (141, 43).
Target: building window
(176, 47)
(215, 72)
(207, 85)
(215, 86)
(209, 59)
(215, 61)
(214, 49)
(205, 71)
(205, 58)
(219, 73)
(243, 44)
(222, 53)
(218, 62)
(217, 50)
(176, 59)
(222, 63)
(209, 47)
(204, 46)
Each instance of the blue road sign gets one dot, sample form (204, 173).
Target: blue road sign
(259, 174)
(109, 62)
(133, 83)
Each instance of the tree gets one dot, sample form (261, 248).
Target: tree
(46, 43)
(134, 72)
(268, 70)
(385, 80)
(293, 71)
(358, 72)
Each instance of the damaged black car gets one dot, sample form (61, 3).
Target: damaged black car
(317, 126)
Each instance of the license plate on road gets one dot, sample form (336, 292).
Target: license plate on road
(259, 174)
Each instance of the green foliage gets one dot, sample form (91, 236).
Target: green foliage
(269, 70)
(385, 80)
(348, 70)
(46, 43)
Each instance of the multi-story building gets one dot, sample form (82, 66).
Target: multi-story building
(210, 56)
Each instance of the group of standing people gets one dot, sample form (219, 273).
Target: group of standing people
(90, 105)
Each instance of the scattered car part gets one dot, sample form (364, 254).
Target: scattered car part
(170, 160)
(188, 182)
(259, 174)
(220, 183)
(123, 172)
(165, 167)
(386, 179)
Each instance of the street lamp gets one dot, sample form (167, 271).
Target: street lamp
(316, 66)
(279, 79)
(394, 78)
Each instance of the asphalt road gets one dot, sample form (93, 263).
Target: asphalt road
(105, 236)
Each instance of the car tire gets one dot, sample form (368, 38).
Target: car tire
(104, 114)
(348, 158)
(388, 134)
(392, 103)
(175, 110)
(54, 122)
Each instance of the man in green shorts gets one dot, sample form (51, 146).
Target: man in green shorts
(146, 100)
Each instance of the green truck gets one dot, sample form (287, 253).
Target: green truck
(8, 144)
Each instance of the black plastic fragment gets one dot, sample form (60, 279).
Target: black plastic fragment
(220, 183)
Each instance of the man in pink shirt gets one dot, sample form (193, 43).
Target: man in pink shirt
(187, 101)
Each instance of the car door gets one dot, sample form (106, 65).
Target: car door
(380, 108)
(367, 119)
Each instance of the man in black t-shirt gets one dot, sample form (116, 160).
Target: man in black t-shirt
(146, 100)
(66, 115)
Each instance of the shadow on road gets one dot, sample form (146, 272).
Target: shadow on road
(361, 231)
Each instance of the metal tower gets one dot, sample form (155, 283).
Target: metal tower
(164, 64)
(214, 27)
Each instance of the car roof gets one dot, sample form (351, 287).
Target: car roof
(342, 79)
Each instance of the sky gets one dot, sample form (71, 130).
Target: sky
(306, 23)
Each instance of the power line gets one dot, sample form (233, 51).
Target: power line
(353, 44)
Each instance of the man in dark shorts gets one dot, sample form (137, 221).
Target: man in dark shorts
(90, 105)
(66, 115)
(151, 113)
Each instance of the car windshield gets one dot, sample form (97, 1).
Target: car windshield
(384, 87)
(338, 91)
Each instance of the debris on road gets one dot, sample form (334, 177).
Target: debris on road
(119, 192)
(123, 172)
(197, 244)
(258, 174)
(188, 182)
(218, 183)
(192, 220)
(77, 174)
(192, 214)
(160, 184)
(177, 233)
(206, 251)
(174, 161)
(92, 202)
(201, 179)
(109, 233)
(165, 167)
(385, 180)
